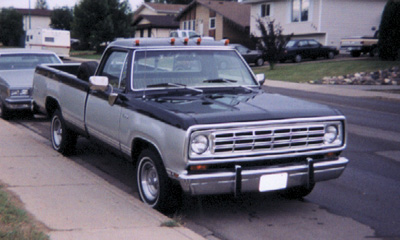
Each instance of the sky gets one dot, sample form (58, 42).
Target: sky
(53, 3)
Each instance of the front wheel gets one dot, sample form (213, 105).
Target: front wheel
(154, 186)
(331, 55)
(63, 140)
(297, 58)
(297, 192)
(4, 112)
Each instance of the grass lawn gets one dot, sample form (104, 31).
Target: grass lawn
(307, 71)
(85, 54)
(15, 223)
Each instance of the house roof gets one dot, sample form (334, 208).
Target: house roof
(156, 21)
(165, 8)
(233, 11)
(161, 8)
(35, 12)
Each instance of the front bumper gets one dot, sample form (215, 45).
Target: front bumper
(248, 180)
(19, 103)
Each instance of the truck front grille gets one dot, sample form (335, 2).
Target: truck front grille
(268, 139)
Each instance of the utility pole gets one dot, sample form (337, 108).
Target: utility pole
(29, 14)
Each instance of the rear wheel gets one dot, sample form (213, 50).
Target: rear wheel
(155, 187)
(63, 140)
(259, 62)
(355, 53)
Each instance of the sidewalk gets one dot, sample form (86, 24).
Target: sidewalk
(368, 91)
(71, 201)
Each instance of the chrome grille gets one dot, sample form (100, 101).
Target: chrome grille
(268, 139)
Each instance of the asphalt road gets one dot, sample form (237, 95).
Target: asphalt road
(368, 191)
(362, 203)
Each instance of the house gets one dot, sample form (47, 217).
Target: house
(327, 21)
(35, 18)
(156, 19)
(218, 19)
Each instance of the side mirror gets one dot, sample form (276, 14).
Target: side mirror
(98, 83)
(260, 78)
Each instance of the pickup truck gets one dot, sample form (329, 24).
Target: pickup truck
(360, 45)
(193, 118)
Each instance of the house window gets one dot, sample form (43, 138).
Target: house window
(189, 25)
(300, 10)
(265, 10)
(49, 39)
(212, 23)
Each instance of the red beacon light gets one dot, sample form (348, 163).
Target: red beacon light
(226, 42)
(137, 42)
(198, 41)
(172, 41)
(185, 41)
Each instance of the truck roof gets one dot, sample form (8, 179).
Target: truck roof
(167, 42)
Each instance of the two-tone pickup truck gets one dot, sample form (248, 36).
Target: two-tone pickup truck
(191, 116)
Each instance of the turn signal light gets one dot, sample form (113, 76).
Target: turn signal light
(198, 167)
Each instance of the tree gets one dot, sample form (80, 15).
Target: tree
(41, 4)
(100, 21)
(61, 18)
(389, 31)
(11, 27)
(272, 40)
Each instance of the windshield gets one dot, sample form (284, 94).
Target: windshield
(195, 68)
(291, 43)
(25, 61)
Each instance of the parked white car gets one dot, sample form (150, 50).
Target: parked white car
(17, 67)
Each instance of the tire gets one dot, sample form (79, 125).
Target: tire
(86, 70)
(355, 53)
(155, 187)
(297, 192)
(259, 62)
(374, 52)
(331, 55)
(63, 140)
(297, 58)
(4, 112)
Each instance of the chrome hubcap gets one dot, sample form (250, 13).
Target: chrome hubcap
(149, 180)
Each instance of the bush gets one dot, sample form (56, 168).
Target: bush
(389, 31)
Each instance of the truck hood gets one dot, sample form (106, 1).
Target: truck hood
(185, 111)
(18, 78)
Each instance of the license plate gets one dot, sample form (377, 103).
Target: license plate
(273, 182)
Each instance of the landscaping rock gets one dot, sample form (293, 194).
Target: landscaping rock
(389, 76)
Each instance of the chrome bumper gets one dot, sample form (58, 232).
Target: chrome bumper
(244, 180)
(19, 103)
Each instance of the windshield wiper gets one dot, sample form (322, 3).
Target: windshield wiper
(220, 80)
(174, 85)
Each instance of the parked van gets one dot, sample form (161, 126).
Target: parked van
(57, 41)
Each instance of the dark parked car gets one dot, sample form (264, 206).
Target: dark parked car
(251, 56)
(297, 50)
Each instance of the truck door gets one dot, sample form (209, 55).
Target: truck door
(102, 119)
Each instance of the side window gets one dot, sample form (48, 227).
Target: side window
(115, 69)
(313, 43)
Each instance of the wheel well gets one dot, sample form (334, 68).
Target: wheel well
(138, 145)
(51, 106)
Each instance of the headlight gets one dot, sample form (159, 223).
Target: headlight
(331, 134)
(19, 92)
(199, 144)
